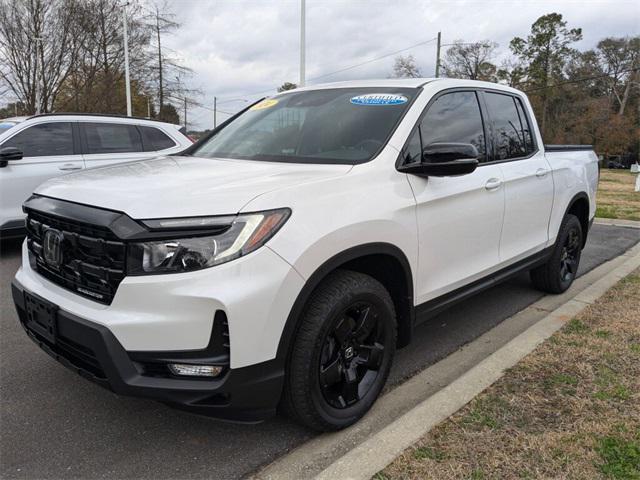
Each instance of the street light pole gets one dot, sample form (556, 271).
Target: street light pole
(35, 74)
(438, 56)
(126, 58)
(215, 112)
(302, 41)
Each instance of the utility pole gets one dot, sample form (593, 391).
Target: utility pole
(185, 114)
(438, 56)
(126, 58)
(215, 112)
(302, 41)
(148, 107)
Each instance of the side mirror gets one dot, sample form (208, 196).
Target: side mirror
(445, 160)
(9, 153)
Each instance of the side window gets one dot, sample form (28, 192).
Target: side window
(526, 127)
(55, 138)
(455, 118)
(508, 133)
(155, 139)
(112, 138)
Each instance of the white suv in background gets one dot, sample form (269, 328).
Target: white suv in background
(34, 149)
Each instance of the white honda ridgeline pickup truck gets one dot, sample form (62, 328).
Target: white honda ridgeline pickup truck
(283, 259)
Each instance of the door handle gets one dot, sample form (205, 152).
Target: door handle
(541, 172)
(493, 184)
(69, 166)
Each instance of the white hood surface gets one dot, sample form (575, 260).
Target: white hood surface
(182, 186)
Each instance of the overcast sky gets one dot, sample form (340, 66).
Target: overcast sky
(246, 48)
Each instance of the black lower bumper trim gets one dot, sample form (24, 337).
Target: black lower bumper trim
(247, 394)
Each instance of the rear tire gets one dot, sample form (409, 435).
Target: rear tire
(557, 275)
(342, 352)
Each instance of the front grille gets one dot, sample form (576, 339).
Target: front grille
(93, 258)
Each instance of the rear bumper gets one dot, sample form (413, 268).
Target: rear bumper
(246, 394)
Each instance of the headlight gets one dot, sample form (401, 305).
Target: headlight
(234, 237)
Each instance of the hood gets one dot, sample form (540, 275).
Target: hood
(182, 186)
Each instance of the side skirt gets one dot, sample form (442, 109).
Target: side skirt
(431, 308)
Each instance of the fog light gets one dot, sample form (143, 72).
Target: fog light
(195, 370)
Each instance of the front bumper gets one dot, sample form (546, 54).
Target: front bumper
(241, 394)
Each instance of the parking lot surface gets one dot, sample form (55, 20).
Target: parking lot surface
(54, 424)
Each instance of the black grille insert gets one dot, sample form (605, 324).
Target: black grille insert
(93, 258)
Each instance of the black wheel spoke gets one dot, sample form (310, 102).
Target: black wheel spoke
(344, 329)
(350, 388)
(365, 324)
(331, 374)
(371, 355)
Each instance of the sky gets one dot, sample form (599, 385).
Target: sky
(241, 50)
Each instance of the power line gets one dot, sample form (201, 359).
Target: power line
(578, 80)
(351, 67)
(374, 59)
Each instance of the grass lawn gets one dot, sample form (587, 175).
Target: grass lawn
(570, 409)
(616, 196)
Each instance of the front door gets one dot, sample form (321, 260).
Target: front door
(459, 218)
(48, 151)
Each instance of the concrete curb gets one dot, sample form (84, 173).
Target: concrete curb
(617, 222)
(375, 453)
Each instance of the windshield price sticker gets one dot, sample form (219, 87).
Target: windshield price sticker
(379, 99)
(267, 103)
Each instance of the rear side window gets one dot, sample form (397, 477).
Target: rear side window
(508, 132)
(526, 127)
(155, 139)
(112, 138)
(46, 139)
(454, 118)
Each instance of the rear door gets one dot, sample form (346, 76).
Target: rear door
(107, 143)
(528, 183)
(49, 150)
(459, 218)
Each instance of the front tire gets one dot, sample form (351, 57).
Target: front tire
(342, 352)
(557, 275)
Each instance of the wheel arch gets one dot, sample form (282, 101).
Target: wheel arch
(579, 206)
(383, 261)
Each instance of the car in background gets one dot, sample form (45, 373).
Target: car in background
(7, 123)
(35, 149)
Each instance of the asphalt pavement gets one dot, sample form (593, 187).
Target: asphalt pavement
(54, 424)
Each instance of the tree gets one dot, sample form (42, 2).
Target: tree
(96, 80)
(169, 114)
(287, 86)
(620, 57)
(405, 67)
(167, 70)
(471, 60)
(545, 52)
(38, 47)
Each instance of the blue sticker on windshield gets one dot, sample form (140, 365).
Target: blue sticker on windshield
(379, 99)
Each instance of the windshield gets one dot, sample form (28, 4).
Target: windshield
(342, 125)
(4, 126)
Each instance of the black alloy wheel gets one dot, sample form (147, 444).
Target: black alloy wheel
(352, 354)
(561, 268)
(570, 255)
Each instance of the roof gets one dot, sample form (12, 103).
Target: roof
(101, 116)
(408, 83)
(384, 82)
